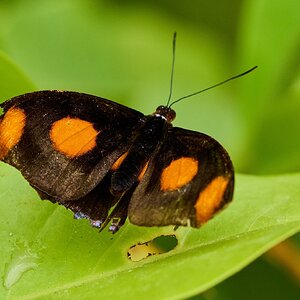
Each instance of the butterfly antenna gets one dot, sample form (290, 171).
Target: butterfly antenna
(172, 71)
(213, 86)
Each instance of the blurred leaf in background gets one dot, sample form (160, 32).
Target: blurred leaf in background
(121, 50)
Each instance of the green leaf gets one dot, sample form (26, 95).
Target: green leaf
(46, 254)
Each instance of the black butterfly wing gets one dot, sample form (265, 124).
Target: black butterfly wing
(188, 180)
(64, 143)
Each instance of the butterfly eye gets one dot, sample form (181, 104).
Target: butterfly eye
(160, 109)
(171, 115)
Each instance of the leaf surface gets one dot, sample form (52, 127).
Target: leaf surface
(47, 254)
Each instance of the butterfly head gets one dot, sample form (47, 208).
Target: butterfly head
(166, 112)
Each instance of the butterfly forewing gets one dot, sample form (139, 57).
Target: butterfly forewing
(188, 180)
(68, 141)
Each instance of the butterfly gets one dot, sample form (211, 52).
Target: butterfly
(106, 162)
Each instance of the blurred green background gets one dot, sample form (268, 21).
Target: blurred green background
(121, 50)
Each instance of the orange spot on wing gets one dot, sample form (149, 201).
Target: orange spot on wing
(118, 162)
(210, 199)
(73, 137)
(180, 172)
(143, 171)
(11, 129)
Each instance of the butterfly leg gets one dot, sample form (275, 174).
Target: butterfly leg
(118, 215)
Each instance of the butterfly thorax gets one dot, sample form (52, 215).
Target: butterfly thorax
(165, 112)
(148, 138)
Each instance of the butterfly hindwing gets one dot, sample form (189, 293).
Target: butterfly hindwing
(189, 178)
(64, 143)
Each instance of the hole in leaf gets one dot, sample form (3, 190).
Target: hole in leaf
(159, 245)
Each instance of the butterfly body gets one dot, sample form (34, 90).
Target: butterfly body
(105, 161)
(143, 146)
